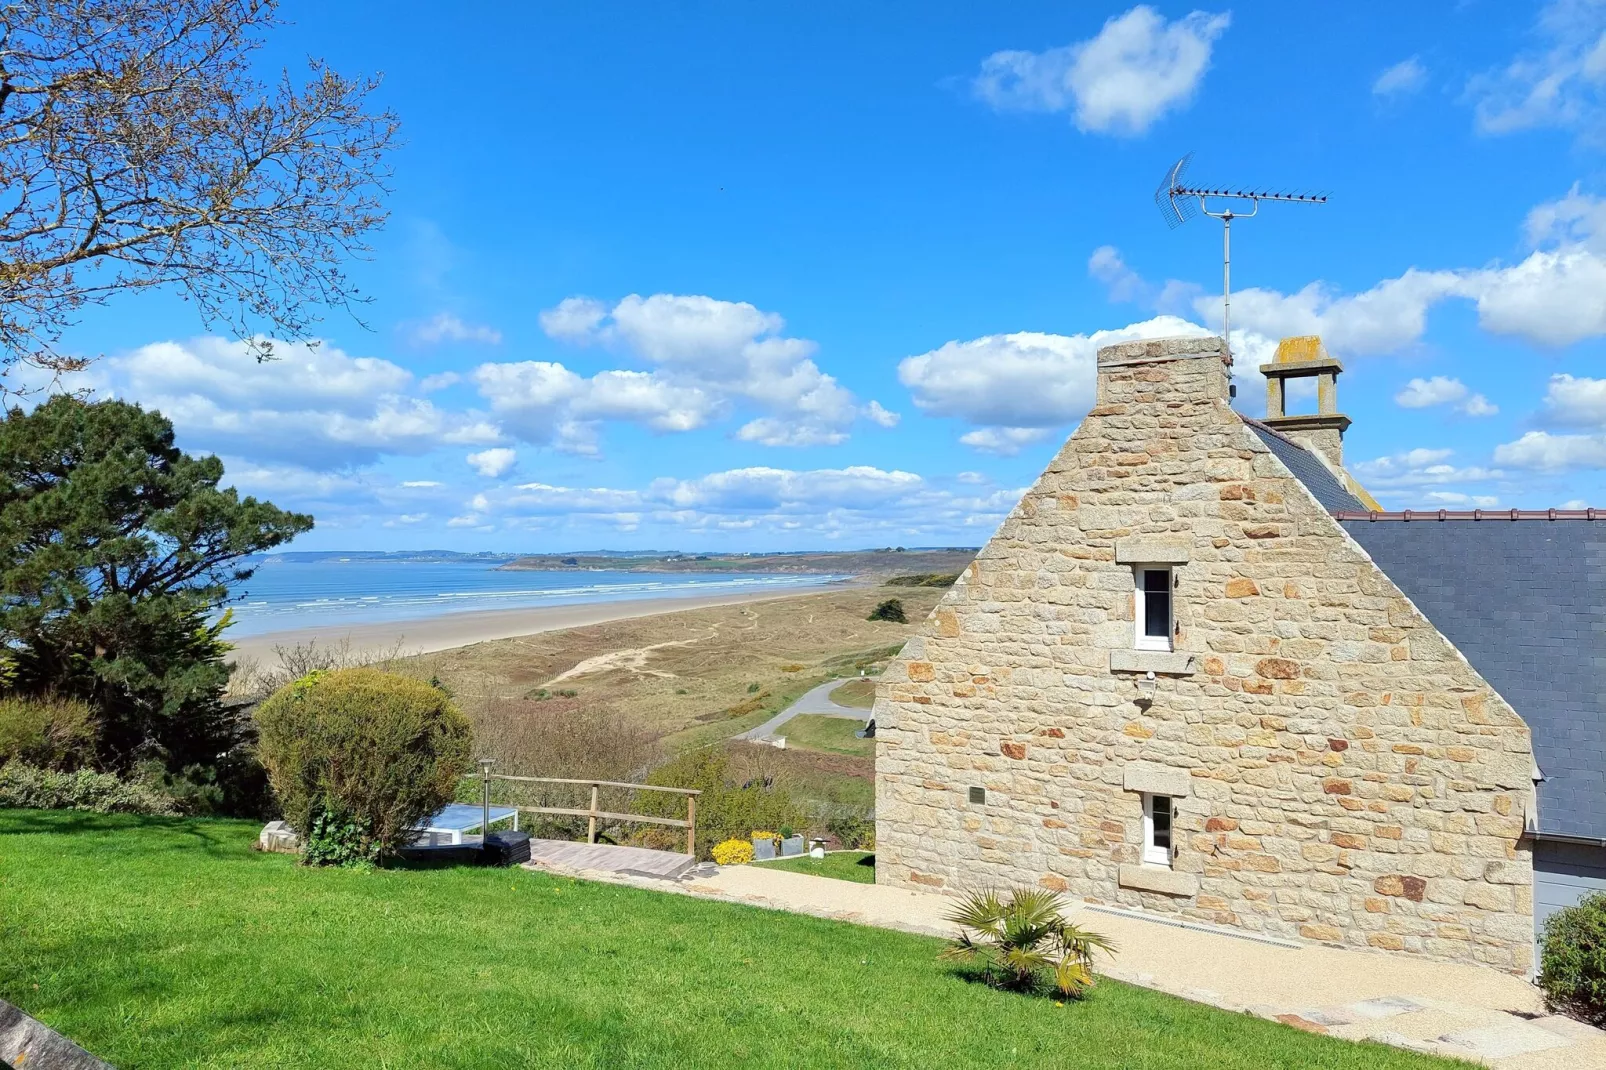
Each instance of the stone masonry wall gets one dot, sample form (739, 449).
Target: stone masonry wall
(1345, 776)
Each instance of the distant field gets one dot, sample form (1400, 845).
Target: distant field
(694, 678)
(848, 562)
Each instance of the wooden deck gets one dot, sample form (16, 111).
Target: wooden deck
(641, 861)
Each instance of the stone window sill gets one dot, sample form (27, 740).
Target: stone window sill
(1166, 662)
(1158, 879)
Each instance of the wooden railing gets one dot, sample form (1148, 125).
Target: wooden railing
(593, 814)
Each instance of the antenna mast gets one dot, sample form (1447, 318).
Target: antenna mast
(1179, 202)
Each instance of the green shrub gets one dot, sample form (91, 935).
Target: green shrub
(891, 609)
(26, 786)
(1572, 959)
(925, 579)
(55, 733)
(726, 810)
(362, 748)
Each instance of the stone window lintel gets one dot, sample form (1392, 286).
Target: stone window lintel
(1156, 779)
(1152, 550)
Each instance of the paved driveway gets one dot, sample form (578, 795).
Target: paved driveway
(816, 701)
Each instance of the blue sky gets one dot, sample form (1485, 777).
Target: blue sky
(787, 276)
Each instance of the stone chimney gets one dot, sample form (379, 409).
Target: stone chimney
(1163, 369)
(1302, 358)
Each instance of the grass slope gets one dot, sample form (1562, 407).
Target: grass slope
(168, 943)
(858, 693)
(856, 866)
(818, 731)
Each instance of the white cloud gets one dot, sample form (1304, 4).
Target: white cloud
(1137, 69)
(1554, 297)
(439, 381)
(406, 520)
(575, 319)
(1570, 401)
(1560, 84)
(876, 413)
(1013, 384)
(1443, 498)
(493, 463)
(445, 327)
(1419, 468)
(1405, 77)
(857, 501)
(421, 483)
(972, 478)
(1545, 452)
(1442, 390)
(1576, 401)
(709, 357)
(1003, 441)
(468, 520)
(314, 406)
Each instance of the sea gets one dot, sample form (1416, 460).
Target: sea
(287, 595)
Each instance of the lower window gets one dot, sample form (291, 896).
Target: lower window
(1157, 814)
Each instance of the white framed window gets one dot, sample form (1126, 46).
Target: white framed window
(1157, 813)
(1152, 607)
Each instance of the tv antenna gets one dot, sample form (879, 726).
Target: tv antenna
(1179, 202)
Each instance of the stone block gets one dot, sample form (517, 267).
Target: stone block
(1150, 550)
(1163, 662)
(1156, 779)
(1158, 879)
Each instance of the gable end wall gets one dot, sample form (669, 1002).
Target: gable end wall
(1353, 780)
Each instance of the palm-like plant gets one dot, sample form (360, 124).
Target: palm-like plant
(1023, 938)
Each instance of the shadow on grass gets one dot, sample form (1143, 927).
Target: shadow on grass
(205, 834)
(867, 860)
(977, 975)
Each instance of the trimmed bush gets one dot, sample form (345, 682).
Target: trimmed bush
(55, 733)
(26, 786)
(1572, 959)
(359, 756)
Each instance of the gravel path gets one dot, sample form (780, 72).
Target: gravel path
(817, 701)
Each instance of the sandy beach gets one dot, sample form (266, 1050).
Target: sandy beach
(450, 630)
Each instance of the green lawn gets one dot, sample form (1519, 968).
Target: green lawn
(842, 865)
(858, 693)
(168, 943)
(818, 731)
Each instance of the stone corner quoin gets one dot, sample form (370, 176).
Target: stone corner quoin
(1352, 779)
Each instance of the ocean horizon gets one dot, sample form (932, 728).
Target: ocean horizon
(291, 595)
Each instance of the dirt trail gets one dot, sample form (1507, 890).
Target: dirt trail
(633, 659)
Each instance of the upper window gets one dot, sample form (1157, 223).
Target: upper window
(1153, 614)
(1157, 814)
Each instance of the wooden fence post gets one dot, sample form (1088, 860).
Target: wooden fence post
(591, 828)
(691, 825)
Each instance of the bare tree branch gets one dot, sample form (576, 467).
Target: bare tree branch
(138, 149)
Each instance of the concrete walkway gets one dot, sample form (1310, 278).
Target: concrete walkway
(1465, 1012)
(816, 701)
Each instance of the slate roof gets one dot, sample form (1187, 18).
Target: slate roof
(1308, 469)
(1525, 602)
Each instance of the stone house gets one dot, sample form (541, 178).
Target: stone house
(1197, 672)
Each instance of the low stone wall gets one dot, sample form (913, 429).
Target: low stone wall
(28, 1044)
